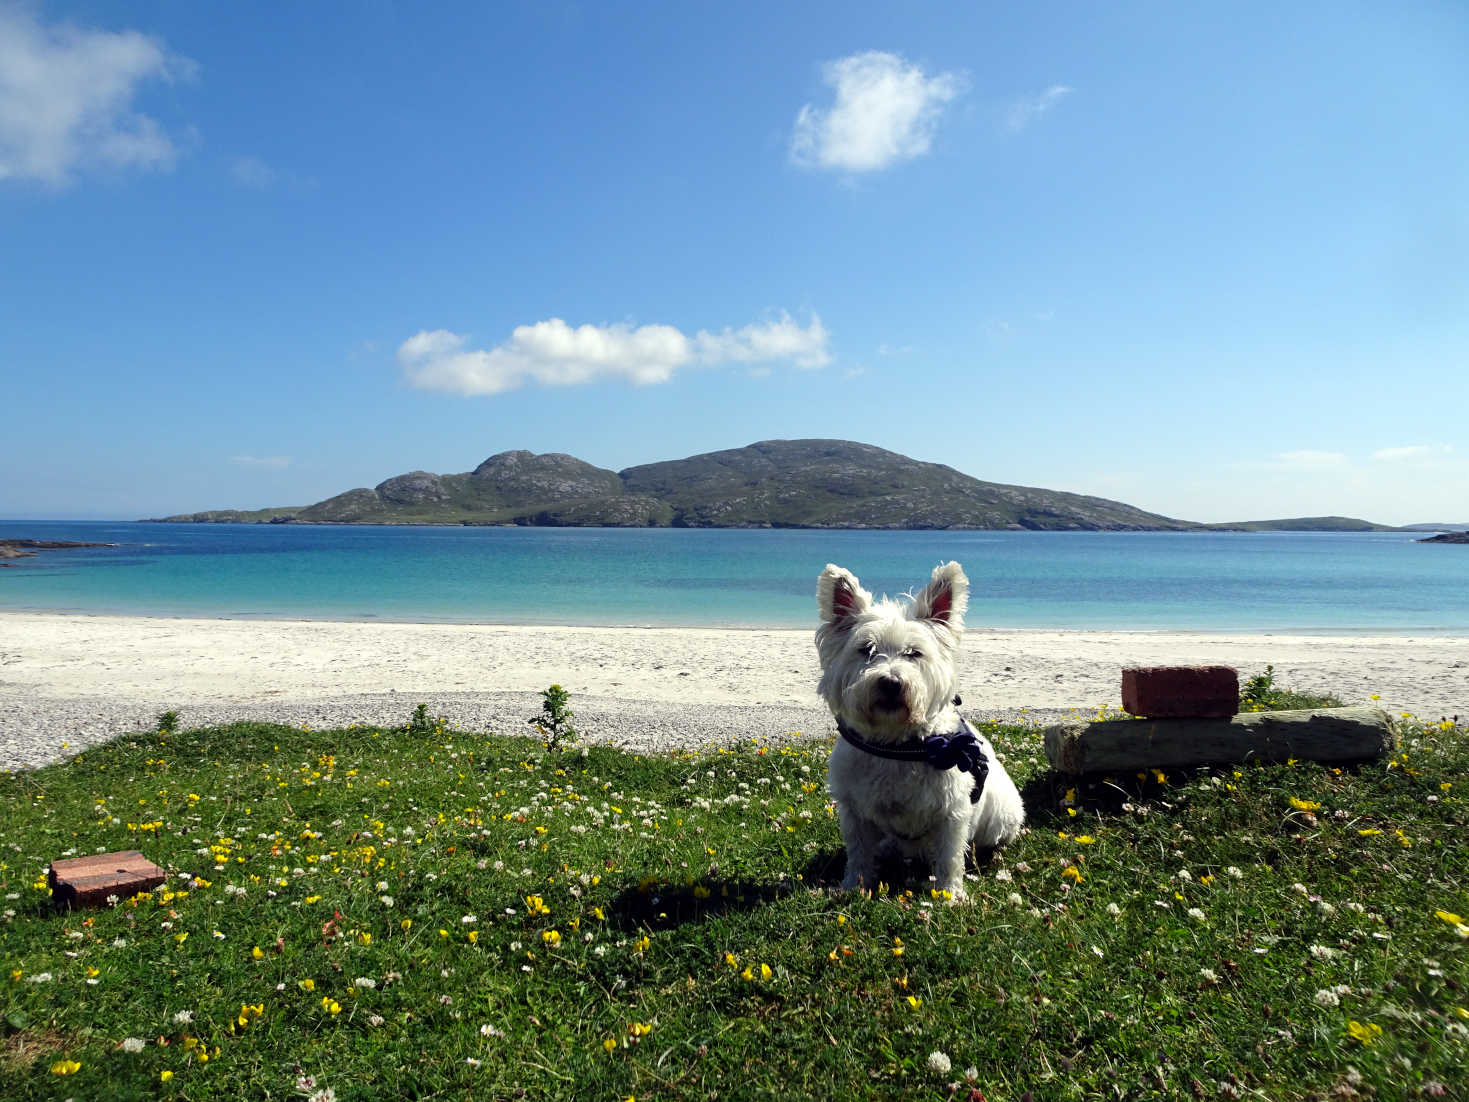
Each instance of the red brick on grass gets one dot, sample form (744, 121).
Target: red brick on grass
(78, 882)
(1181, 692)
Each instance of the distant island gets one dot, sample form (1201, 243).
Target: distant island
(770, 484)
(1448, 537)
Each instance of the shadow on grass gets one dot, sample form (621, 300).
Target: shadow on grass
(659, 905)
(1048, 795)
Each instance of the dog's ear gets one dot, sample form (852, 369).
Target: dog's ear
(945, 598)
(839, 595)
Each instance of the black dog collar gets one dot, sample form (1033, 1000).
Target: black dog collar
(961, 750)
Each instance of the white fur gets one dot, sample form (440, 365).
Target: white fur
(888, 672)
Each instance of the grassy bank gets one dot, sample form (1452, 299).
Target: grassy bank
(433, 913)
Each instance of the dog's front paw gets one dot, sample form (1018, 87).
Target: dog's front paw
(859, 880)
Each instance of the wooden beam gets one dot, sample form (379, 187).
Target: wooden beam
(1308, 734)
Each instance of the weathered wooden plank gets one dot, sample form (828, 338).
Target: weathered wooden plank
(1309, 734)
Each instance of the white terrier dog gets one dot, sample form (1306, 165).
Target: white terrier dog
(907, 774)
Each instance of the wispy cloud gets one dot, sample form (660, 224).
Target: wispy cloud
(1023, 112)
(276, 462)
(554, 353)
(885, 110)
(252, 172)
(1413, 453)
(66, 98)
(1307, 459)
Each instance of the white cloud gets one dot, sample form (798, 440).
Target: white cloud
(554, 353)
(1412, 453)
(66, 97)
(1026, 111)
(885, 110)
(1308, 460)
(252, 172)
(276, 462)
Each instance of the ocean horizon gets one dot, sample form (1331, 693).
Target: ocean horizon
(1314, 582)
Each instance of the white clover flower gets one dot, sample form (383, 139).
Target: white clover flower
(939, 1063)
(1113, 909)
(1234, 872)
(365, 982)
(1014, 899)
(375, 1020)
(133, 1044)
(1322, 952)
(1327, 997)
(1196, 914)
(1209, 975)
(183, 1017)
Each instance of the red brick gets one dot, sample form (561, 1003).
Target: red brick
(78, 882)
(1181, 692)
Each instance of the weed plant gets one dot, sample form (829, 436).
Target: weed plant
(1260, 693)
(378, 913)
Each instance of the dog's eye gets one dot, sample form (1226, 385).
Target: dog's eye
(914, 653)
(869, 649)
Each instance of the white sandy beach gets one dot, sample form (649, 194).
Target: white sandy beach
(80, 679)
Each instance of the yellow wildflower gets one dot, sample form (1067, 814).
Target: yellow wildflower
(1366, 1034)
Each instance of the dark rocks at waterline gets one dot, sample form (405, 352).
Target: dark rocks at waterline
(1447, 537)
(27, 548)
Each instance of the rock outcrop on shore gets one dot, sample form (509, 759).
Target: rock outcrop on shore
(1447, 537)
(24, 549)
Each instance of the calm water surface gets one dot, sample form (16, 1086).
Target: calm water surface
(675, 577)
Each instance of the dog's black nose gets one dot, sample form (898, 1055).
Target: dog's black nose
(889, 692)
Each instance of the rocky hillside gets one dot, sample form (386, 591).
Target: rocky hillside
(775, 483)
(838, 484)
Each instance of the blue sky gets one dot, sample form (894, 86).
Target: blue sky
(1206, 259)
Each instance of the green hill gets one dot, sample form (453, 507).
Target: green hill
(771, 484)
(1303, 524)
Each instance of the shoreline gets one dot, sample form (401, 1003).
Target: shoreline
(71, 680)
(1283, 630)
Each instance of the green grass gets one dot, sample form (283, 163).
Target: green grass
(455, 914)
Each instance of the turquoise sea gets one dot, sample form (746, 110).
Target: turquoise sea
(1319, 582)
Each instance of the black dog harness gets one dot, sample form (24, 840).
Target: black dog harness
(962, 750)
